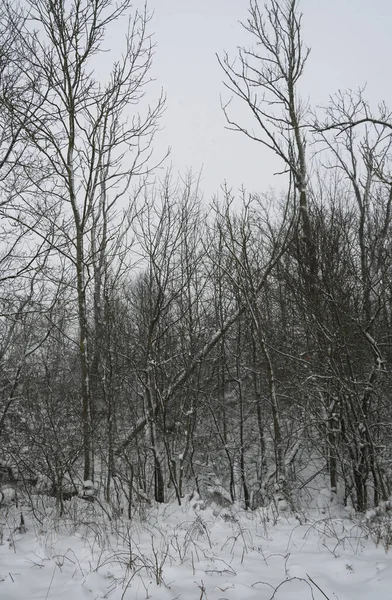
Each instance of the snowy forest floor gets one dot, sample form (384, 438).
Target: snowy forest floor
(189, 552)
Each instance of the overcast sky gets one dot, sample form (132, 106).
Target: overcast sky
(350, 43)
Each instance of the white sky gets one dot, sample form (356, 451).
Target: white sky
(351, 46)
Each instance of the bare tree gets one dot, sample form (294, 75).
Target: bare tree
(15, 90)
(216, 331)
(342, 119)
(362, 156)
(265, 78)
(91, 146)
(249, 237)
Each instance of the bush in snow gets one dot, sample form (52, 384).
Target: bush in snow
(378, 522)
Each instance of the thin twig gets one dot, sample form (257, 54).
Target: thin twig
(318, 587)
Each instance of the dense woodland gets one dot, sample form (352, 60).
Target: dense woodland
(156, 343)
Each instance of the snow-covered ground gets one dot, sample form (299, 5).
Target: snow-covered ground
(189, 553)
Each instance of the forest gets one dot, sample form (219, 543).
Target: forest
(154, 343)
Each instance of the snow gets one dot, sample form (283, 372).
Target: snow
(171, 552)
(7, 496)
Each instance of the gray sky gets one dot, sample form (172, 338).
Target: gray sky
(351, 46)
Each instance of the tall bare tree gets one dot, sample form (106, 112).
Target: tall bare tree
(265, 77)
(92, 143)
